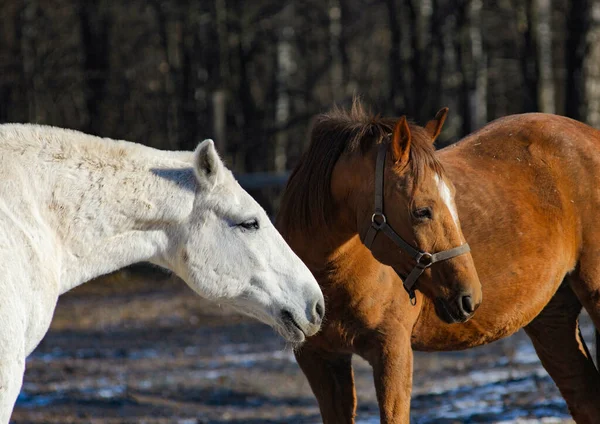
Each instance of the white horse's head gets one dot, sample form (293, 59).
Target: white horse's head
(229, 251)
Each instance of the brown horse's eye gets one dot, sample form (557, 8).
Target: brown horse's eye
(422, 213)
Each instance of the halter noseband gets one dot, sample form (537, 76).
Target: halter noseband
(379, 223)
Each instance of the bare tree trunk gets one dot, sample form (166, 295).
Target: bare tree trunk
(199, 76)
(220, 94)
(11, 62)
(335, 34)
(592, 68)
(219, 104)
(423, 61)
(94, 36)
(478, 92)
(343, 48)
(171, 38)
(543, 28)
(414, 88)
(437, 51)
(284, 72)
(472, 64)
(576, 51)
(464, 62)
(174, 55)
(257, 154)
(394, 60)
(28, 42)
(528, 54)
(448, 80)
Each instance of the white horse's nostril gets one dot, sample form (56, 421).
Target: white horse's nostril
(319, 312)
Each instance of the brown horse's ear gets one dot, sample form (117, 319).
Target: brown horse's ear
(401, 141)
(434, 127)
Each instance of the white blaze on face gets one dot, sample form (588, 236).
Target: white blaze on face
(446, 196)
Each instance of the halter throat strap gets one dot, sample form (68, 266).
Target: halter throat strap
(379, 223)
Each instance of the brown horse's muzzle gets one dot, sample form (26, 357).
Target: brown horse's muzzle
(457, 290)
(459, 309)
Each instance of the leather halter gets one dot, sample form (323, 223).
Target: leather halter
(379, 223)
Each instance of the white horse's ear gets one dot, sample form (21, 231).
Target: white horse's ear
(207, 163)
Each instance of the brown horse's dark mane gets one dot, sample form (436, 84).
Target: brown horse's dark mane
(307, 201)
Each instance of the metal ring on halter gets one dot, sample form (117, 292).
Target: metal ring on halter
(425, 259)
(413, 297)
(376, 224)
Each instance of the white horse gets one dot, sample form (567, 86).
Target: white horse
(74, 207)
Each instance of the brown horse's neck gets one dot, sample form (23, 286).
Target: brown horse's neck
(338, 254)
(350, 261)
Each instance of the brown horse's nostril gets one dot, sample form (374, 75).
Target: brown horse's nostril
(467, 304)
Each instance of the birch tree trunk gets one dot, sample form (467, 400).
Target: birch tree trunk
(592, 68)
(472, 66)
(173, 78)
(576, 52)
(543, 28)
(28, 50)
(11, 63)
(335, 34)
(95, 46)
(528, 57)
(394, 61)
(219, 98)
(285, 64)
(478, 93)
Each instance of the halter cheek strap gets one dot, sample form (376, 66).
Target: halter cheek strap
(379, 223)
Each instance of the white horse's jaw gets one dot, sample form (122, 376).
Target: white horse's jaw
(267, 282)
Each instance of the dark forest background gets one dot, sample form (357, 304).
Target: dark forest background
(252, 74)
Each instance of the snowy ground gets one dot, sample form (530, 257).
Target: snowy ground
(157, 354)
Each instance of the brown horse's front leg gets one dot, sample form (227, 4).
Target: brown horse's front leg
(332, 381)
(392, 363)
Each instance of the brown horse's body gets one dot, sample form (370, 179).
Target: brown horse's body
(529, 204)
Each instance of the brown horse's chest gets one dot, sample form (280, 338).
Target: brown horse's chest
(430, 334)
(353, 310)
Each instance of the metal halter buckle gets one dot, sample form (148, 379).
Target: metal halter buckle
(383, 220)
(425, 259)
(413, 297)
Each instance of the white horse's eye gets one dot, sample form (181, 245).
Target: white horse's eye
(251, 224)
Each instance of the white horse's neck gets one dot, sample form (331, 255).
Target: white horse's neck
(120, 221)
(110, 203)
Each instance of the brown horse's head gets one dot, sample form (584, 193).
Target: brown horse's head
(417, 205)
(330, 201)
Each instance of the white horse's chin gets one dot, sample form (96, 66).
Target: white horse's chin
(290, 333)
(288, 329)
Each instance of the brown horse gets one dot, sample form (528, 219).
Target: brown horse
(526, 192)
